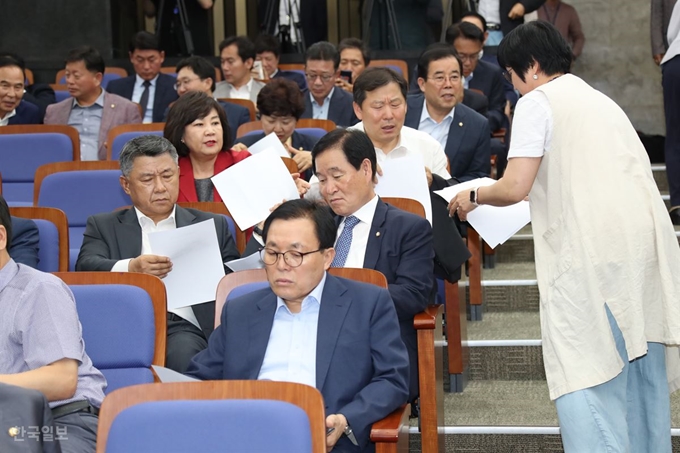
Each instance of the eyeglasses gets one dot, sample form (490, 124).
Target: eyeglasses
(291, 257)
(471, 57)
(325, 78)
(508, 75)
(440, 79)
(179, 83)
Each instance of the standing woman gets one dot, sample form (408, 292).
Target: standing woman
(670, 68)
(607, 259)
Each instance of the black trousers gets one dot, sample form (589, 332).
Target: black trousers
(185, 340)
(671, 103)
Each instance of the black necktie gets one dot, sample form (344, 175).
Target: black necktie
(144, 100)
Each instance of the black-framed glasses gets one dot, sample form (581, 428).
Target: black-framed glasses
(291, 257)
(325, 78)
(508, 75)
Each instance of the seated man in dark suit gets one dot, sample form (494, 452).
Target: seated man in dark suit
(39, 94)
(13, 110)
(324, 100)
(374, 235)
(468, 40)
(25, 238)
(25, 411)
(149, 87)
(476, 101)
(268, 50)
(280, 105)
(463, 133)
(197, 74)
(42, 348)
(337, 335)
(117, 241)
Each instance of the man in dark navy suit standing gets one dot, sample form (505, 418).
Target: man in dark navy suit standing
(149, 87)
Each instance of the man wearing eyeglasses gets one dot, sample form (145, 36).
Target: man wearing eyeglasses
(463, 133)
(322, 100)
(309, 327)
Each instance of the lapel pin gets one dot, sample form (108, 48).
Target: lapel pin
(460, 124)
(113, 105)
(377, 233)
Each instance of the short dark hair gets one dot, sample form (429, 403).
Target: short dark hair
(354, 143)
(6, 221)
(324, 224)
(538, 42)
(355, 43)
(324, 51)
(246, 48)
(8, 60)
(144, 145)
(464, 30)
(144, 40)
(435, 52)
(478, 16)
(281, 97)
(200, 66)
(90, 56)
(187, 109)
(374, 78)
(267, 43)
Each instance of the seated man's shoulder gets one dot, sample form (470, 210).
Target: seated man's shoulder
(412, 134)
(116, 84)
(488, 68)
(112, 97)
(204, 215)
(230, 107)
(28, 279)
(343, 95)
(471, 115)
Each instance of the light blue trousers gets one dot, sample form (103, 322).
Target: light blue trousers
(628, 414)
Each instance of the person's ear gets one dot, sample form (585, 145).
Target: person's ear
(125, 184)
(357, 110)
(421, 84)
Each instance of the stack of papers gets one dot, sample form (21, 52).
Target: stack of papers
(405, 178)
(495, 225)
(269, 142)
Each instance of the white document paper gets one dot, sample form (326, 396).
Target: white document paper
(168, 375)
(271, 142)
(196, 263)
(494, 224)
(253, 186)
(249, 262)
(405, 178)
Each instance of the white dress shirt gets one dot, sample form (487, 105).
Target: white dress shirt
(137, 96)
(149, 226)
(291, 350)
(490, 10)
(320, 112)
(438, 131)
(360, 233)
(415, 141)
(5, 121)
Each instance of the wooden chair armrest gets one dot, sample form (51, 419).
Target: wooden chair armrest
(427, 319)
(388, 429)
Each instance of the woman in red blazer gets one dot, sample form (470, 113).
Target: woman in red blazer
(198, 128)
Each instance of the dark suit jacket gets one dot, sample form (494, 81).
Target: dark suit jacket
(164, 96)
(25, 409)
(41, 95)
(507, 24)
(400, 246)
(340, 110)
(294, 76)
(489, 79)
(115, 236)
(300, 140)
(467, 146)
(477, 102)
(25, 238)
(27, 113)
(361, 363)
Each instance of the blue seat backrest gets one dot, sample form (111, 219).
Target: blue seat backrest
(316, 132)
(48, 246)
(22, 154)
(60, 95)
(119, 331)
(211, 425)
(122, 139)
(105, 79)
(396, 68)
(245, 289)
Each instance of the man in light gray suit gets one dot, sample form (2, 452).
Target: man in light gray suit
(91, 110)
(661, 15)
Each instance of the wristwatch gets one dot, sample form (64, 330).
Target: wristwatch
(350, 434)
(473, 196)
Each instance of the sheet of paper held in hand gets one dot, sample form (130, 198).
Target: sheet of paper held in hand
(253, 186)
(409, 169)
(244, 264)
(196, 263)
(270, 141)
(495, 225)
(168, 375)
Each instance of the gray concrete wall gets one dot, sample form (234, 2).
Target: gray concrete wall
(617, 58)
